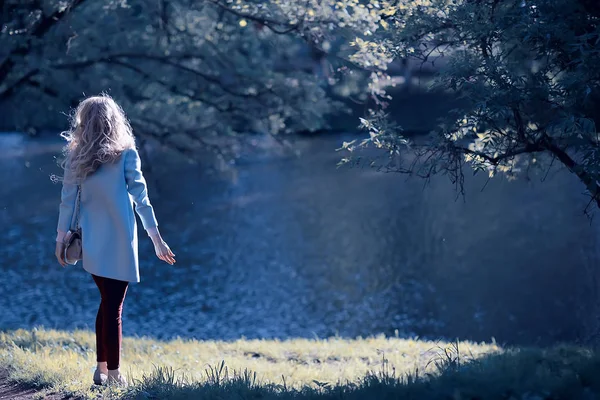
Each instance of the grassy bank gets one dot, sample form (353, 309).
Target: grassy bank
(302, 369)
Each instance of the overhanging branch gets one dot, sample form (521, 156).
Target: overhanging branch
(266, 21)
(527, 149)
(39, 30)
(587, 179)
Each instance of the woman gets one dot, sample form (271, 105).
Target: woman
(102, 167)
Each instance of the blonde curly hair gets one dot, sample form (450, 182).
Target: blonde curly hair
(99, 134)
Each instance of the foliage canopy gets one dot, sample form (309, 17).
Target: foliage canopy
(524, 72)
(190, 74)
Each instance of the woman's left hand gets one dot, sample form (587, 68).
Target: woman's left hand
(163, 252)
(60, 251)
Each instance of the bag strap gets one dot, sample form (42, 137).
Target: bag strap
(75, 218)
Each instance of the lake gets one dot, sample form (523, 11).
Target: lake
(291, 246)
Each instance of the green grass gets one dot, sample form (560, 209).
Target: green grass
(335, 368)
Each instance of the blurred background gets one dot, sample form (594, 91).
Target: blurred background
(238, 124)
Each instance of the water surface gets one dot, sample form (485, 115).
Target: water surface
(294, 247)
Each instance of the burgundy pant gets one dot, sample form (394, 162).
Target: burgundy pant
(108, 320)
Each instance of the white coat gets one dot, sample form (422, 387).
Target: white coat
(107, 220)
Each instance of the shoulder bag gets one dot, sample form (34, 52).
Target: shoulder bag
(73, 243)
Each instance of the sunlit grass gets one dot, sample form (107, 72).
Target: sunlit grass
(382, 368)
(65, 361)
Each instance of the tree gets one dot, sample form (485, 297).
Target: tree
(524, 71)
(527, 78)
(192, 75)
(190, 71)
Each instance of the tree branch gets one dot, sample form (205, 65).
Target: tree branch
(527, 149)
(45, 24)
(166, 60)
(21, 81)
(171, 87)
(268, 22)
(589, 181)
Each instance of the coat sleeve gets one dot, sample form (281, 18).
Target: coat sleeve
(68, 197)
(136, 186)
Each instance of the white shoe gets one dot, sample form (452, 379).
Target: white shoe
(116, 379)
(99, 377)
